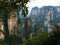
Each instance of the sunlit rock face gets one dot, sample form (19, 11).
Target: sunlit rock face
(48, 13)
(1, 30)
(13, 23)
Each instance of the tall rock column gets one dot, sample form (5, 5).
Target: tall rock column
(13, 24)
(28, 28)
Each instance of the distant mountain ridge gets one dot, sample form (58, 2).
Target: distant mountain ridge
(48, 15)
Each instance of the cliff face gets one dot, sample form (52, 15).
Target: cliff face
(1, 30)
(48, 15)
(28, 27)
(13, 25)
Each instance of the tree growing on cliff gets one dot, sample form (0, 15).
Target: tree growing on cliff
(6, 6)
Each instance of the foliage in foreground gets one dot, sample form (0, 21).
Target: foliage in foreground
(41, 38)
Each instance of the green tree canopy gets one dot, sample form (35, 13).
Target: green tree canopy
(5, 5)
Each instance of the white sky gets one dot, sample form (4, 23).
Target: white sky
(40, 3)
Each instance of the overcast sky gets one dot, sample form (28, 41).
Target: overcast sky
(40, 3)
